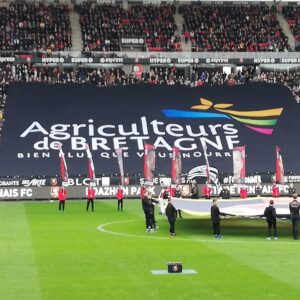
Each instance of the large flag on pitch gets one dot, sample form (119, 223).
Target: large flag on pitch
(119, 153)
(176, 165)
(63, 166)
(91, 167)
(239, 164)
(279, 167)
(149, 162)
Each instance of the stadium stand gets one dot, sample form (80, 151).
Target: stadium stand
(233, 28)
(104, 25)
(292, 15)
(35, 27)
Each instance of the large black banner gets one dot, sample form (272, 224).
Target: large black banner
(259, 116)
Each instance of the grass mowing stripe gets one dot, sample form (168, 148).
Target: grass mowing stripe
(18, 273)
(273, 258)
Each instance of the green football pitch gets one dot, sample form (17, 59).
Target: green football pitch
(107, 254)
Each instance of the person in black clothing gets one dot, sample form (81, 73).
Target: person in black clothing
(152, 212)
(225, 194)
(178, 194)
(215, 219)
(194, 190)
(258, 190)
(148, 207)
(171, 215)
(294, 210)
(270, 214)
(178, 191)
(165, 194)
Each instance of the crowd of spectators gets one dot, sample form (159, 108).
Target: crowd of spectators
(292, 15)
(198, 76)
(209, 27)
(117, 76)
(233, 28)
(32, 27)
(5, 72)
(155, 75)
(103, 26)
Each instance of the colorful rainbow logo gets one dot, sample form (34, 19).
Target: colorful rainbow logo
(262, 121)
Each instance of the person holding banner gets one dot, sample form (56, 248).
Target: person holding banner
(243, 192)
(270, 214)
(225, 193)
(120, 196)
(145, 205)
(90, 197)
(215, 219)
(171, 214)
(194, 190)
(207, 191)
(275, 190)
(178, 191)
(143, 190)
(148, 207)
(62, 196)
(294, 210)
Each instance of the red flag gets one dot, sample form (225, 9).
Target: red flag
(91, 167)
(176, 165)
(279, 167)
(63, 166)
(120, 162)
(149, 162)
(239, 164)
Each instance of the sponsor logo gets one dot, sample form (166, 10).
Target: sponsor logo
(261, 121)
(82, 60)
(16, 193)
(132, 41)
(201, 171)
(7, 59)
(34, 182)
(9, 183)
(111, 60)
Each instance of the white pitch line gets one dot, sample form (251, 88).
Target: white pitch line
(101, 228)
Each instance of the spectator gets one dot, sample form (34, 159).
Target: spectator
(104, 25)
(33, 27)
(235, 28)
